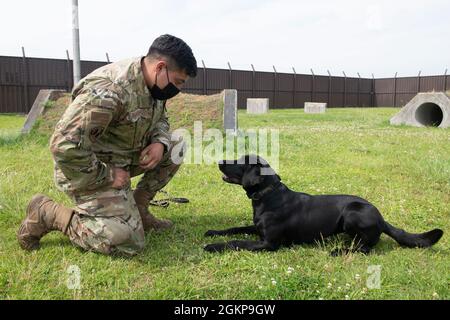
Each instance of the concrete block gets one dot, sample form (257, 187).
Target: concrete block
(315, 107)
(257, 105)
(230, 110)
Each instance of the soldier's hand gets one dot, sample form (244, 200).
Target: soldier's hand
(151, 156)
(121, 178)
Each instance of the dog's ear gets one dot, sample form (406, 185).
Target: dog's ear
(260, 160)
(266, 169)
(252, 176)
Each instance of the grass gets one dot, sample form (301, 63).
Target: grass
(404, 171)
(10, 126)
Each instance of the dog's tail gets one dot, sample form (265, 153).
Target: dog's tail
(413, 240)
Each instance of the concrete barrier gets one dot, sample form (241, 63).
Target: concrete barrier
(230, 110)
(315, 107)
(257, 105)
(38, 106)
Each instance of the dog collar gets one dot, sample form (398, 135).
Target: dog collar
(259, 194)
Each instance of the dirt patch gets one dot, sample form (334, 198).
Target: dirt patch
(183, 111)
(53, 111)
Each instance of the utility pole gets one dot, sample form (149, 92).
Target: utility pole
(76, 43)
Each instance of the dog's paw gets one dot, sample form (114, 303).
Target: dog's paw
(212, 233)
(339, 252)
(214, 247)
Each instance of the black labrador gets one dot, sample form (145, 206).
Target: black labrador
(283, 217)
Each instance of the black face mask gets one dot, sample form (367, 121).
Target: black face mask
(167, 92)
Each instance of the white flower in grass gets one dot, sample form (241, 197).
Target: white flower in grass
(329, 285)
(339, 288)
(357, 277)
(347, 285)
(274, 282)
(347, 297)
(320, 298)
(435, 295)
(290, 270)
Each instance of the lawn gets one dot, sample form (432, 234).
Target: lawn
(404, 171)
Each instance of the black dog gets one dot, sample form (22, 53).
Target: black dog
(283, 217)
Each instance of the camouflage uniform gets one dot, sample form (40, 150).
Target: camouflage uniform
(111, 119)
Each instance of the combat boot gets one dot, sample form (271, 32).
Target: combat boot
(142, 198)
(43, 215)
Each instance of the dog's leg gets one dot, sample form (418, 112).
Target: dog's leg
(361, 222)
(231, 231)
(242, 245)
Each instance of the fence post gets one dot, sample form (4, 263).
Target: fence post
(312, 85)
(107, 57)
(345, 89)
(418, 81)
(329, 88)
(205, 88)
(395, 90)
(294, 87)
(69, 76)
(231, 75)
(359, 86)
(372, 92)
(275, 91)
(445, 80)
(25, 79)
(253, 81)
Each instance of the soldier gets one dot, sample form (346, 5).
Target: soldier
(115, 128)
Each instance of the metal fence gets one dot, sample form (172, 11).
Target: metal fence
(21, 78)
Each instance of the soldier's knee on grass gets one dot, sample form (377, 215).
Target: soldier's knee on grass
(108, 222)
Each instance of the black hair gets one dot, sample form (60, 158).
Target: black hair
(176, 50)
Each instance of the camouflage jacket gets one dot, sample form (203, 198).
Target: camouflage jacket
(111, 118)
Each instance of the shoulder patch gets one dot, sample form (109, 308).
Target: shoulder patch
(100, 117)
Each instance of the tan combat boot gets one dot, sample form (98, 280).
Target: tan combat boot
(142, 198)
(43, 215)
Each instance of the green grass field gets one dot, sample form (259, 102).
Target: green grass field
(404, 171)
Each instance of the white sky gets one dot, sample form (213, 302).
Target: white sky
(379, 37)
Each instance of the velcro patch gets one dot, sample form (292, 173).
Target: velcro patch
(100, 117)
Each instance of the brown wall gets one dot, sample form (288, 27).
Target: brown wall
(22, 78)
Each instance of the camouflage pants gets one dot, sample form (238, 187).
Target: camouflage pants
(108, 221)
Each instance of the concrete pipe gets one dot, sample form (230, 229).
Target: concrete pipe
(431, 109)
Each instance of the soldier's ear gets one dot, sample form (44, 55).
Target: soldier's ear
(160, 65)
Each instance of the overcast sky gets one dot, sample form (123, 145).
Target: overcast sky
(379, 37)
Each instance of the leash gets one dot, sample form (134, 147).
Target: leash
(164, 203)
